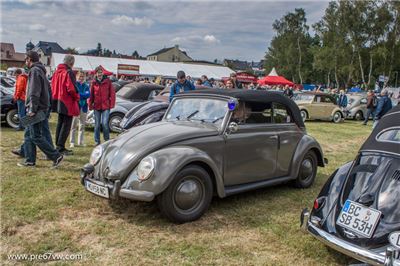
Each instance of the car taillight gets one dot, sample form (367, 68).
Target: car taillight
(319, 203)
(316, 204)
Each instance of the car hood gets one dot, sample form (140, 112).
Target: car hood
(122, 154)
(376, 186)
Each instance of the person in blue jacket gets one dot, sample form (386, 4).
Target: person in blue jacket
(84, 94)
(342, 99)
(181, 85)
(384, 106)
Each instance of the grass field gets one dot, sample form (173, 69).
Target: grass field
(44, 210)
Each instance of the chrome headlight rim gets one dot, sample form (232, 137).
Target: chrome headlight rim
(96, 154)
(145, 169)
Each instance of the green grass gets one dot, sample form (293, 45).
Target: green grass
(44, 210)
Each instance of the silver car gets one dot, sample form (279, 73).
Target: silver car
(356, 106)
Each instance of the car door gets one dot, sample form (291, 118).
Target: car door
(251, 151)
(289, 136)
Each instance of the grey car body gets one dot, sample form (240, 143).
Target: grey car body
(194, 159)
(356, 107)
(127, 97)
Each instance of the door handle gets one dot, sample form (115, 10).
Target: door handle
(278, 140)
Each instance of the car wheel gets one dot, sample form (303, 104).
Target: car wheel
(359, 116)
(188, 196)
(307, 171)
(114, 122)
(304, 115)
(337, 117)
(12, 118)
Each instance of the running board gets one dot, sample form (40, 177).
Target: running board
(231, 190)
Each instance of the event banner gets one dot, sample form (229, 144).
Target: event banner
(127, 70)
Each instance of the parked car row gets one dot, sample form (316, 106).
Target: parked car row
(8, 108)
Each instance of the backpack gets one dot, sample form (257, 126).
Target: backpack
(374, 101)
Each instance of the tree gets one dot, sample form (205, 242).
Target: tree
(289, 51)
(71, 50)
(99, 50)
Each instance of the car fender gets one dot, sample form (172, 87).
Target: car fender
(337, 109)
(305, 144)
(302, 107)
(118, 109)
(168, 162)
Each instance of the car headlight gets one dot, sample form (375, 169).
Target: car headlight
(96, 155)
(145, 168)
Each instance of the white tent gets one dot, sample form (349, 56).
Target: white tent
(146, 68)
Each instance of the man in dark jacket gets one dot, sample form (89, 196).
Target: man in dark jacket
(288, 92)
(37, 100)
(384, 105)
(181, 85)
(236, 83)
(65, 101)
(372, 102)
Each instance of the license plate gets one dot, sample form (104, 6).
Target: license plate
(96, 189)
(358, 218)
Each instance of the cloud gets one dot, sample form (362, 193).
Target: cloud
(211, 39)
(196, 39)
(126, 21)
(37, 27)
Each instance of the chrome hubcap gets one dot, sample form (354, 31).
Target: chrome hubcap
(188, 194)
(306, 169)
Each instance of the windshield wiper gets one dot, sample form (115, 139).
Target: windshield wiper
(218, 119)
(178, 117)
(192, 114)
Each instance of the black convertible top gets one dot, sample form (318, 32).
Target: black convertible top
(258, 97)
(389, 120)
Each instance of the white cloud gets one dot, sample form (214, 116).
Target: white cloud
(37, 27)
(126, 21)
(211, 39)
(192, 39)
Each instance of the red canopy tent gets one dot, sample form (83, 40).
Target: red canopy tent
(105, 72)
(274, 79)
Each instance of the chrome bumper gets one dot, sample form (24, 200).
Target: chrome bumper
(387, 258)
(116, 190)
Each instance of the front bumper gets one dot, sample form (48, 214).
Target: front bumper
(388, 257)
(116, 189)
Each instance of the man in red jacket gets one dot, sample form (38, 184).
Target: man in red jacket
(102, 99)
(19, 94)
(65, 101)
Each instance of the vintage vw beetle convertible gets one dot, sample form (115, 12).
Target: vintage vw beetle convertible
(358, 210)
(210, 142)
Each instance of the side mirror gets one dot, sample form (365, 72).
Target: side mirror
(233, 127)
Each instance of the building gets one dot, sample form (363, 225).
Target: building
(45, 50)
(11, 58)
(171, 54)
(145, 68)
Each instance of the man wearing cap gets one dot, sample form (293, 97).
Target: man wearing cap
(181, 85)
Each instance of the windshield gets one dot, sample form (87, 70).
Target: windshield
(303, 97)
(195, 109)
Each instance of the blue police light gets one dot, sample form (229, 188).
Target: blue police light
(232, 103)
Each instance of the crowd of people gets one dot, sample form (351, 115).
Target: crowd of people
(71, 95)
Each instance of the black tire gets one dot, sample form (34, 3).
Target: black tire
(180, 208)
(359, 116)
(307, 170)
(12, 118)
(114, 122)
(304, 115)
(337, 117)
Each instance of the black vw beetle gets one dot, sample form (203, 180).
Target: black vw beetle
(358, 210)
(210, 142)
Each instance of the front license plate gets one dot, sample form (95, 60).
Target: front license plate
(358, 218)
(96, 189)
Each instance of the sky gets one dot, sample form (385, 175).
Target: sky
(206, 30)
